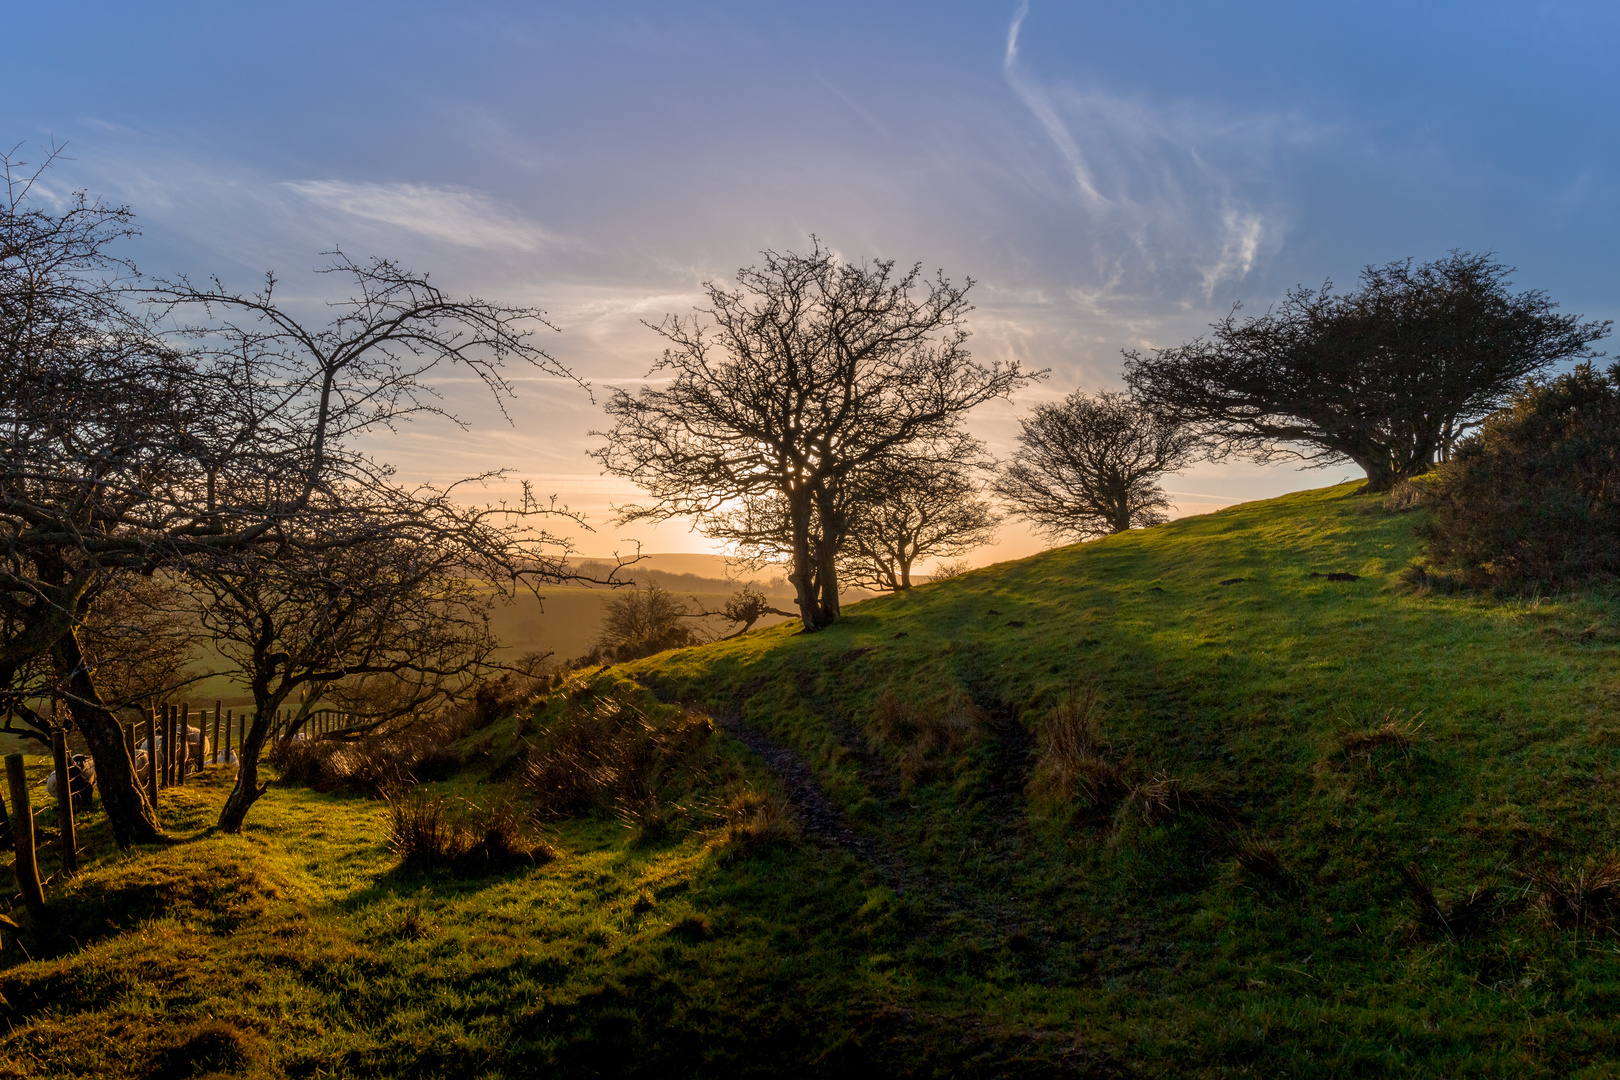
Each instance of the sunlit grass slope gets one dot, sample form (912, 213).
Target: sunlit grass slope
(1255, 698)
(1344, 832)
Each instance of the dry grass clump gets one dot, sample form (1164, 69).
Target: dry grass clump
(604, 753)
(1387, 743)
(1159, 799)
(1583, 897)
(1417, 577)
(756, 819)
(924, 733)
(1261, 864)
(1405, 496)
(1073, 762)
(371, 765)
(1463, 917)
(477, 842)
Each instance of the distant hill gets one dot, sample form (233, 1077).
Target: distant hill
(689, 573)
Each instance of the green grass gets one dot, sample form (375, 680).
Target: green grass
(1274, 926)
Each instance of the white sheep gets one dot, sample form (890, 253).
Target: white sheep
(82, 778)
(198, 747)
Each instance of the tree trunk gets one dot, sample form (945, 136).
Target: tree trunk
(248, 789)
(128, 812)
(1380, 476)
(804, 565)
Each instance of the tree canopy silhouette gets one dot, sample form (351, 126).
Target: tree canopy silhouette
(1389, 375)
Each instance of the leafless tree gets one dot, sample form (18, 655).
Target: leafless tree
(129, 447)
(374, 590)
(746, 607)
(1088, 466)
(1388, 376)
(779, 392)
(97, 413)
(932, 510)
(138, 636)
(642, 621)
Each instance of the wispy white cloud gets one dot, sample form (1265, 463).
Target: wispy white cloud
(1040, 104)
(448, 215)
(1178, 198)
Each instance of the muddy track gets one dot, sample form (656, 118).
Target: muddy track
(822, 820)
(1015, 750)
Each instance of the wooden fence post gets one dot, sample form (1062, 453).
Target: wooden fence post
(22, 831)
(217, 715)
(5, 825)
(151, 760)
(168, 742)
(184, 749)
(64, 802)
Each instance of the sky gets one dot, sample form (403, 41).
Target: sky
(1110, 175)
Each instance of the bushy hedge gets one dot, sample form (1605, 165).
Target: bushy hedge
(1532, 501)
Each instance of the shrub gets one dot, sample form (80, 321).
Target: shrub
(1533, 500)
(640, 622)
(369, 766)
(922, 733)
(1073, 763)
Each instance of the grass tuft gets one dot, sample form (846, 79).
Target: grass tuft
(1161, 798)
(923, 734)
(211, 1048)
(755, 820)
(481, 842)
(1583, 897)
(1073, 763)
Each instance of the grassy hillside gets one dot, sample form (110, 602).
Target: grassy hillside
(1291, 825)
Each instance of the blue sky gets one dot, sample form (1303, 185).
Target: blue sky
(1112, 175)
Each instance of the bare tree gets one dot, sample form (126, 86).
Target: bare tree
(1388, 376)
(375, 590)
(931, 511)
(97, 413)
(642, 621)
(126, 447)
(781, 391)
(746, 607)
(1088, 466)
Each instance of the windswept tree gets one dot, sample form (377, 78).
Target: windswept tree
(1089, 466)
(771, 400)
(127, 447)
(904, 515)
(1388, 376)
